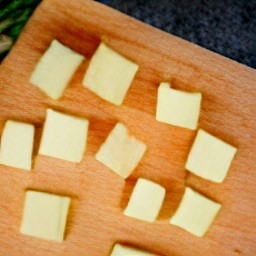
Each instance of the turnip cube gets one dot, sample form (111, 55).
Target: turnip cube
(210, 157)
(17, 145)
(109, 74)
(178, 107)
(64, 136)
(121, 152)
(146, 200)
(195, 213)
(45, 215)
(121, 250)
(55, 69)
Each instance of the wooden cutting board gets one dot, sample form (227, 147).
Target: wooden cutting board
(99, 196)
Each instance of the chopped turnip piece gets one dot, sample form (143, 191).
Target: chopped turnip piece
(121, 152)
(55, 69)
(178, 108)
(195, 213)
(210, 157)
(109, 74)
(121, 250)
(45, 215)
(146, 200)
(17, 145)
(64, 136)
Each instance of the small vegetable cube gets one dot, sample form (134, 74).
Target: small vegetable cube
(64, 136)
(210, 157)
(17, 144)
(178, 107)
(45, 215)
(55, 69)
(146, 200)
(121, 152)
(195, 213)
(120, 250)
(109, 74)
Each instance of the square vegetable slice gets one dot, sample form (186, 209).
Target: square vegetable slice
(45, 215)
(55, 69)
(64, 136)
(109, 74)
(146, 200)
(195, 213)
(210, 157)
(121, 250)
(178, 107)
(17, 144)
(121, 152)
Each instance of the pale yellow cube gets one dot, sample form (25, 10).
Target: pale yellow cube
(109, 74)
(121, 152)
(178, 108)
(146, 200)
(17, 145)
(64, 136)
(210, 157)
(195, 213)
(121, 250)
(45, 215)
(55, 69)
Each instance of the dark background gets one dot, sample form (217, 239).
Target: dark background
(227, 27)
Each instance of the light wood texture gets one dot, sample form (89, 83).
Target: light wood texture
(96, 221)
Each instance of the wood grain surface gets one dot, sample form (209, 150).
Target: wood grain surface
(99, 196)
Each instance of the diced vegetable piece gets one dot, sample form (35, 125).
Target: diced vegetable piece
(146, 200)
(178, 107)
(109, 74)
(210, 158)
(17, 145)
(195, 213)
(121, 152)
(64, 136)
(45, 215)
(121, 250)
(55, 69)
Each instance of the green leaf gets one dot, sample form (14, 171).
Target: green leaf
(15, 30)
(13, 17)
(17, 5)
